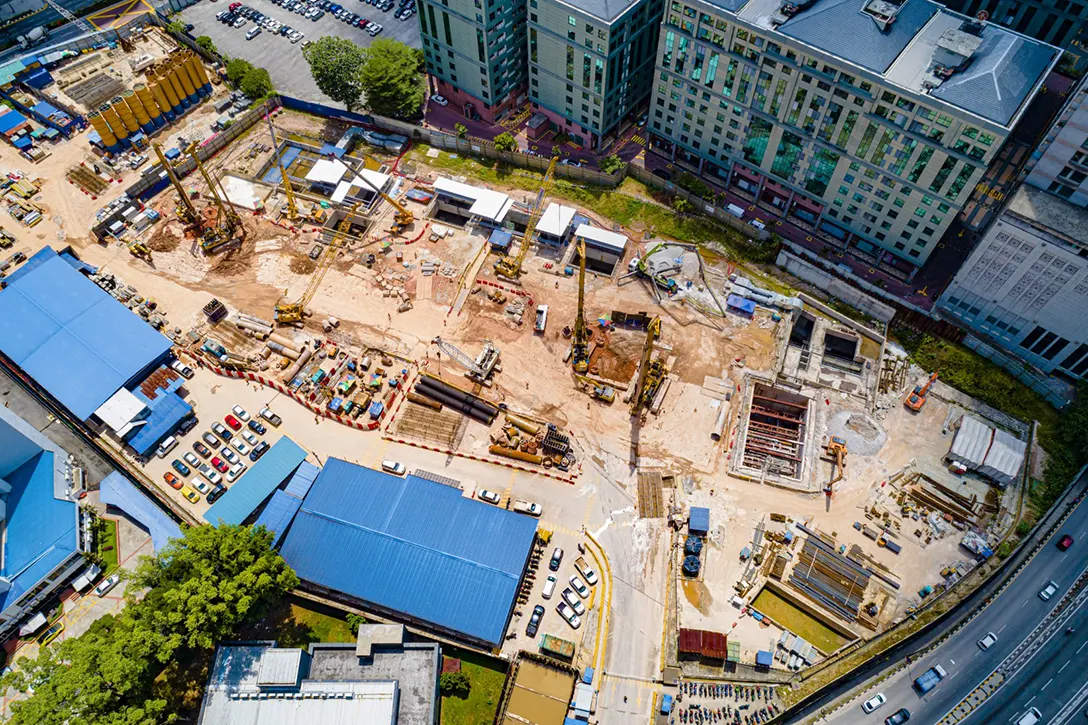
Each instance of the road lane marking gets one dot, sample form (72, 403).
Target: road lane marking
(952, 676)
(1046, 685)
(1026, 704)
(1082, 647)
(1064, 666)
(1025, 603)
(1002, 628)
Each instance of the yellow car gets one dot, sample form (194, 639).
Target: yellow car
(190, 494)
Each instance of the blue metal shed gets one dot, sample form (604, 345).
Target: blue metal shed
(412, 548)
(764, 658)
(741, 304)
(255, 485)
(278, 513)
(53, 316)
(116, 490)
(699, 520)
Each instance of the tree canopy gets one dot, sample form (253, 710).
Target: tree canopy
(201, 589)
(336, 65)
(391, 79)
(256, 83)
(505, 142)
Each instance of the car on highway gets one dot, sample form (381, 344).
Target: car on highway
(257, 427)
(258, 451)
(106, 584)
(191, 459)
(180, 467)
(172, 480)
(557, 557)
(221, 431)
(549, 588)
(202, 450)
(579, 586)
(568, 614)
(898, 717)
(488, 496)
(575, 603)
(987, 642)
(1065, 542)
(190, 494)
(1048, 591)
(1031, 717)
(220, 465)
(874, 702)
(534, 621)
(233, 422)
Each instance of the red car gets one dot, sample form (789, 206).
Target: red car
(172, 479)
(1065, 542)
(234, 6)
(233, 422)
(220, 464)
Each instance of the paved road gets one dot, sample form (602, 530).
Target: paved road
(1011, 617)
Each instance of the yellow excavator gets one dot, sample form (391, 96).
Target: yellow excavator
(605, 393)
(293, 313)
(510, 267)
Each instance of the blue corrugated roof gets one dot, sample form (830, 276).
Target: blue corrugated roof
(247, 493)
(500, 238)
(10, 120)
(40, 530)
(44, 108)
(277, 514)
(699, 519)
(304, 478)
(840, 27)
(116, 490)
(54, 316)
(1002, 73)
(413, 546)
(741, 303)
(167, 411)
(33, 262)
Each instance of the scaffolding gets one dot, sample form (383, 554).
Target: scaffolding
(775, 434)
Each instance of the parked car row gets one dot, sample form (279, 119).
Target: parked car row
(572, 609)
(237, 15)
(217, 456)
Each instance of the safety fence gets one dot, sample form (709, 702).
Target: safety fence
(1055, 392)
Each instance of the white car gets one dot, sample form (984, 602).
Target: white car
(200, 485)
(568, 614)
(873, 702)
(106, 584)
(240, 446)
(589, 574)
(191, 459)
(182, 369)
(987, 642)
(1049, 591)
(240, 413)
(230, 455)
(440, 100)
(235, 471)
(549, 587)
(574, 602)
(251, 438)
(488, 496)
(374, 29)
(579, 586)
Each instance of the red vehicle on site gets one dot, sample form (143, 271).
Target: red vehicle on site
(234, 6)
(1065, 542)
(220, 464)
(233, 422)
(172, 479)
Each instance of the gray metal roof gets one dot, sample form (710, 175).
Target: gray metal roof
(732, 6)
(1001, 75)
(841, 28)
(606, 10)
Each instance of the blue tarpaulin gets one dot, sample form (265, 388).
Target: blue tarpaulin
(764, 658)
(699, 520)
(741, 304)
(500, 239)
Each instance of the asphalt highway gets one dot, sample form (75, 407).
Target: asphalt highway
(1011, 617)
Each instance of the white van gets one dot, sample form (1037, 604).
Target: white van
(394, 467)
(1030, 717)
(734, 210)
(758, 224)
(549, 588)
(166, 446)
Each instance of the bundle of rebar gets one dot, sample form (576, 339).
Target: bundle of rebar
(829, 578)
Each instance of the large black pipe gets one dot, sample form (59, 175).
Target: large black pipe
(456, 392)
(455, 405)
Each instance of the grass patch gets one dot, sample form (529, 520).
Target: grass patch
(107, 546)
(486, 676)
(298, 622)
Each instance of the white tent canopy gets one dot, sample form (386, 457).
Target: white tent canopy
(971, 442)
(994, 453)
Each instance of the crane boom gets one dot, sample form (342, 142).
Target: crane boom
(293, 312)
(580, 344)
(650, 372)
(510, 267)
(86, 26)
(185, 211)
(480, 368)
(292, 206)
(228, 221)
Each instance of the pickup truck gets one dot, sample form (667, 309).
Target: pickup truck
(929, 679)
(271, 417)
(584, 569)
(527, 507)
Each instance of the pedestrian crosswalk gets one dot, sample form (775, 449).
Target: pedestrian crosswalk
(639, 140)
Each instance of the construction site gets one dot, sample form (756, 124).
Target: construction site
(792, 467)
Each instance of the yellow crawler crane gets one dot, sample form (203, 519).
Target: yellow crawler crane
(510, 267)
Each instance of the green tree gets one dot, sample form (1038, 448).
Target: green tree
(391, 79)
(611, 164)
(421, 59)
(354, 620)
(336, 65)
(205, 584)
(237, 69)
(256, 83)
(461, 129)
(505, 142)
(454, 684)
(176, 27)
(681, 204)
(206, 44)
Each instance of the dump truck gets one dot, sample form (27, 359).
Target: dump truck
(561, 648)
(929, 679)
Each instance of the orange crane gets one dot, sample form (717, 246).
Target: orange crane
(917, 397)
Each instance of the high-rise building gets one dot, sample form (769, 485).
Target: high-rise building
(1060, 163)
(1024, 287)
(475, 52)
(591, 64)
(867, 122)
(1058, 22)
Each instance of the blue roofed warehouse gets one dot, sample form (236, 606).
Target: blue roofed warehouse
(412, 549)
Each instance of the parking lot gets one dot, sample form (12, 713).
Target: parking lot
(282, 59)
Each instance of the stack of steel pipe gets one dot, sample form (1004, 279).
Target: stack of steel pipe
(294, 369)
(456, 399)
